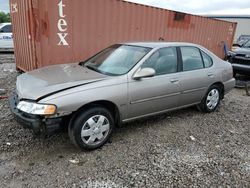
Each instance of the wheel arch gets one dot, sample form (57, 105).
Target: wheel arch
(110, 106)
(221, 85)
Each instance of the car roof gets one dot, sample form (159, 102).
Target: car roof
(159, 44)
(4, 24)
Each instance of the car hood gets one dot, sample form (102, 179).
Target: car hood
(49, 80)
(242, 51)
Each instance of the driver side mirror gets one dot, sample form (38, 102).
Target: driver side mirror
(1, 31)
(144, 73)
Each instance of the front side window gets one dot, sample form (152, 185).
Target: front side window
(163, 61)
(117, 59)
(191, 58)
(7, 29)
(208, 62)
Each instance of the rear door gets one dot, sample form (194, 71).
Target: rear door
(196, 76)
(158, 93)
(6, 37)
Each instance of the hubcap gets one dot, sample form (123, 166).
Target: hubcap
(95, 130)
(213, 99)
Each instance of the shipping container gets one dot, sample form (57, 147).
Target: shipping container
(50, 32)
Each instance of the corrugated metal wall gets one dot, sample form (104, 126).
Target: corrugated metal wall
(21, 15)
(201, 30)
(243, 25)
(95, 24)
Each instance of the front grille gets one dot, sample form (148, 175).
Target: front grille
(241, 61)
(240, 55)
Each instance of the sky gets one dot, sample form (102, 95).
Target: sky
(218, 7)
(4, 6)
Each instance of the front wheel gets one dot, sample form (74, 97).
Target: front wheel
(91, 128)
(211, 100)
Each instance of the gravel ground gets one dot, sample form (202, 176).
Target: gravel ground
(185, 148)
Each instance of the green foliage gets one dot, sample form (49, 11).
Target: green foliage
(4, 17)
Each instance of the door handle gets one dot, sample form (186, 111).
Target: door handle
(174, 80)
(210, 74)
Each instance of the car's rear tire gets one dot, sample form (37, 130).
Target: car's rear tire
(91, 128)
(211, 100)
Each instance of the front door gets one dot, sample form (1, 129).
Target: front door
(158, 93)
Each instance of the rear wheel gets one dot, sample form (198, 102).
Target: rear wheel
(91, 128)
(211, 100)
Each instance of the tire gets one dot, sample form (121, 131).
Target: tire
(211, 100)
(91, 128)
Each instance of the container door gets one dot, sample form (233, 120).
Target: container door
(24, 32)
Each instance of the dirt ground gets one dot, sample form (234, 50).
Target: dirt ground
(185, 148)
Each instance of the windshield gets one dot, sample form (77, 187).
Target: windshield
(247, 44)
(117, 59)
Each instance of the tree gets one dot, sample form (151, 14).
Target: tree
(4, 17)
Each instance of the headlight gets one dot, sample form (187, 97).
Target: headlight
(36, 109)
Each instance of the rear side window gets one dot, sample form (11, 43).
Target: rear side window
(7, 29)
(163, 61)
(208, 62)
(191, 58)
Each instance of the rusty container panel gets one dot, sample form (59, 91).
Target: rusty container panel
(207, 32)
(23, 30)
(65, 31)
(94, 25)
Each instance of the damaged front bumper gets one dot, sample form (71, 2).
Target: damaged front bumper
(39, 124)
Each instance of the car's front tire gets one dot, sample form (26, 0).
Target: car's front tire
(211, 100)
(91, 128)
